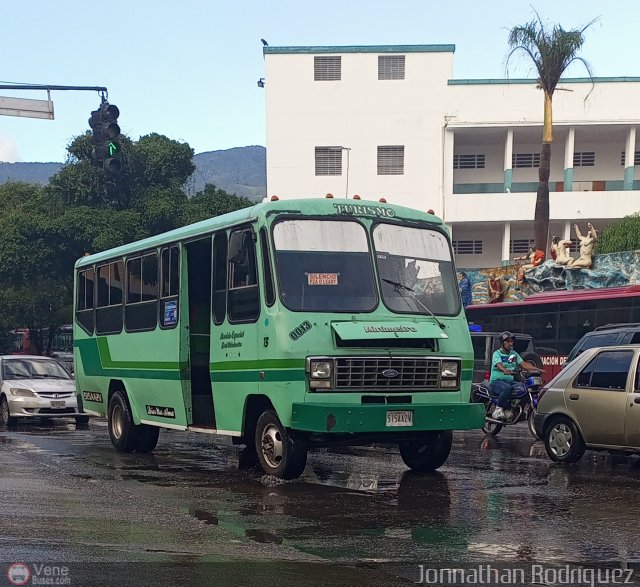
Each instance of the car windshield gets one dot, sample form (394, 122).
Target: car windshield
(324, 266)
(32, 369)
(416, 270)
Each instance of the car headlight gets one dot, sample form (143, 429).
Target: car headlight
(21, 392)
(320, 369)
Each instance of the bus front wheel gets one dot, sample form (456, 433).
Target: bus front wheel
(428, 452)
(280, 452)
(124, 434)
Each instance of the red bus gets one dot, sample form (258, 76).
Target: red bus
(558, 319)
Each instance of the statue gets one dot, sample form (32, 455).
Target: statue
(495, 288)
(536, 257)
(465, 289)
(587, 242)
(560, 251)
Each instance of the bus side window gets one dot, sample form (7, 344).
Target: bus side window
(243, 303)
(269, 288)
(109, 303)
(219, 276)
(169, 286)
(141, 305)
(84, 299)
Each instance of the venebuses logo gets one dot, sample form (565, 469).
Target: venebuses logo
(18, 574)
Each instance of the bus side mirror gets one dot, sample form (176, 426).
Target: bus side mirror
(236, 248)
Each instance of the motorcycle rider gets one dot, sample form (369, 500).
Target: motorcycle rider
(501, 382)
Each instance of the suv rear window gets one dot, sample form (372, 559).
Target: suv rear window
(596, 340)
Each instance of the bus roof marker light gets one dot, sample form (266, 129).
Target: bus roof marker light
(274, 198)
(356, 197)
(329, 196)
(430, 211)
(383, 200)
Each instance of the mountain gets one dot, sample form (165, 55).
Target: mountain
(241, 171)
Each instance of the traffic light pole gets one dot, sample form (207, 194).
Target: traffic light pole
(42, 87)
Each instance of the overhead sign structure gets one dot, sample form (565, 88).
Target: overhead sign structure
(26, 108)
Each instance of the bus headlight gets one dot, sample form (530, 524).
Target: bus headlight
(320, 369)
(320, 372)
(449, 374)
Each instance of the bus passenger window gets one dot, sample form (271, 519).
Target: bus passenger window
(84, 299)
(219, 298)
(244, 300)
(169, 281)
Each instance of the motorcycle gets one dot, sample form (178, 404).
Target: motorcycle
(523, 402)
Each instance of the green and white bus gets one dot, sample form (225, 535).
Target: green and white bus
(286, 325)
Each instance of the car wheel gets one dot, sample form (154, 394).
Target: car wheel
(428, 452)
(280, 452)
(531, 425)
(534, 358)
(6, 419)
(563, 441)
(82, 420)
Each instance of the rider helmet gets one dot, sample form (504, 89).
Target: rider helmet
(505, 336)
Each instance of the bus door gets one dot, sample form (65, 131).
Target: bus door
(199, 288)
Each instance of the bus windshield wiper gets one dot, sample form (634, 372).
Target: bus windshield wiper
(402, 287)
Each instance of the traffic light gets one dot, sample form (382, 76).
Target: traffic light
(111, 130)
(106, 148)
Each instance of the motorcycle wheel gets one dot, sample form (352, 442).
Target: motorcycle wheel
(491, 428)
(532, 428)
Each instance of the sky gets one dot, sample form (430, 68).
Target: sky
(188, 69)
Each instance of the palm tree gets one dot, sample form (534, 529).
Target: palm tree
(551, 51)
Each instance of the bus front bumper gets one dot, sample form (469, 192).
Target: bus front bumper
(354, 418)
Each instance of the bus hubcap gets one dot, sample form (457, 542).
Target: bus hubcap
(272, 446)
(116, 422)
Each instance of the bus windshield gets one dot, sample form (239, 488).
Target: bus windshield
(416, 270)
(324, 266)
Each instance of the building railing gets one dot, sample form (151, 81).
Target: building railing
(609, 185)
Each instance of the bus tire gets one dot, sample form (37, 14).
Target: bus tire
(122, 430)
(146, 438)
(428, 452)
(6, 419)
(280, 451)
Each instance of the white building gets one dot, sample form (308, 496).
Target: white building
(389, 121)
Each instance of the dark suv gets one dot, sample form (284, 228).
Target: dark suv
(484, 345)
(608, 335)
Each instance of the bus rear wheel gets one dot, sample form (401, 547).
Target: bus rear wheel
(428, 452)
(124, 434)
(280, 451)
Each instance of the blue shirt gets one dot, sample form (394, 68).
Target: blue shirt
(508, 360)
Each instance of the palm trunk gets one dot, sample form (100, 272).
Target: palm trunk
(541, 216)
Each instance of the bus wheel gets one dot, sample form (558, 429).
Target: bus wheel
(122, 430)
(428, 452)
(146, 438)
(6, 419)
(280, 452)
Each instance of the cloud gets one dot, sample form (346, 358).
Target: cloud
(9, 150)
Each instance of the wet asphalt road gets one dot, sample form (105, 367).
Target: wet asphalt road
(190, 513)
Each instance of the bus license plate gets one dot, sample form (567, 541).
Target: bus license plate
(58, 404)
(404, 418)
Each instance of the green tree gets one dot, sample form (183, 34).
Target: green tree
(621, 235)
(213, 201)
(551, 50)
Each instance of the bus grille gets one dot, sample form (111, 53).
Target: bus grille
(369, 373)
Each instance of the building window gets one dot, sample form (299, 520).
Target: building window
(525, 160)
(521, 245)
(469, 161)
(470, 247)
(584, 159)
(391, 67)
(636, 158)
(327, 68)
(328, 160)
(391, 160)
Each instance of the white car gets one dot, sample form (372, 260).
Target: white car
(36, 387)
